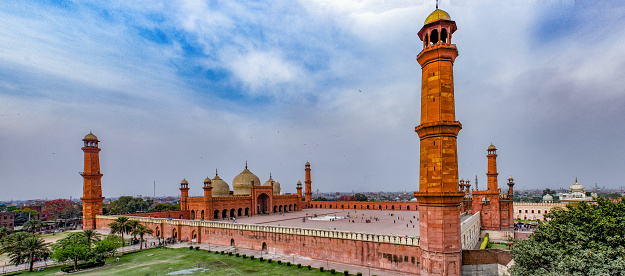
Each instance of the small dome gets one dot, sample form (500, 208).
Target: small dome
(184, 181)
(307, 164)
(207, 180)
(242, 183)
(90, 136)
(547, 197)
(299, 182)
(220, 187)
(492, 147)
(276, 188)
(436, 15)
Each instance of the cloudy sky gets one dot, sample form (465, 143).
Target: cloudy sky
(177, 89)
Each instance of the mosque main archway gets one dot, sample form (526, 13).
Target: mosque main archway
(263, 203)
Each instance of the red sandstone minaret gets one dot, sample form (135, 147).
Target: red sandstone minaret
(299, 196)
(308, 192)
(492, 168)
(92, 185)
(184, 194)
(439, 196)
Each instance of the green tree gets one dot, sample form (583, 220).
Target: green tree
(549, 191)
(360, 197)
(583, 239)
(105, 248)
(161, 207)
(29, 250)
(121, 225)
(74, 247)
(32, 225)
(128, 205)
(142, 230)
(91, 235)
(320, 198)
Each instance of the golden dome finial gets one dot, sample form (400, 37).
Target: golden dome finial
(437, 4)
(246, 164)
(216, 174)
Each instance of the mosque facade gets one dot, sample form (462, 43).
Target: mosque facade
(248, 197)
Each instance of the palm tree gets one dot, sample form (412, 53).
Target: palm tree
(29, 249)
(122, 226)
(91, 235)
(32, 225)
(133, 224)
(5, 231)
(141, 230)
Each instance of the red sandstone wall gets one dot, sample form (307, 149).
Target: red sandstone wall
(381, 255)
(366, 205)
(486, 256)
(180, 214)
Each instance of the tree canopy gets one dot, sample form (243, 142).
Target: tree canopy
(583, 239)
(128, 205)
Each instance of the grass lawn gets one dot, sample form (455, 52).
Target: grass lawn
(167, 261)
(499, 246)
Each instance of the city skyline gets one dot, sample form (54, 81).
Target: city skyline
(177, 90)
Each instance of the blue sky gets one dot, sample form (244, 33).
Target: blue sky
(176, 89)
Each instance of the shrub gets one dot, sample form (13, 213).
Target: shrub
(216, 252)
(359, 274)
(321, 269)
(261, 259)
(288, 263)
(190, 246)
(222, 252)
(197, 248)
(309, 267)
(346, 273)
(252, 257)
(237, 254)
(279, 262)
(332, 271)
(229, 253)
(299, 265)
(269, 260)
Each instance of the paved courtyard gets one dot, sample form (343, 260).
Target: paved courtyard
(388, 222)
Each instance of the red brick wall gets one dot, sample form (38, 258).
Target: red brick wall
(366, 205)
(180, 214)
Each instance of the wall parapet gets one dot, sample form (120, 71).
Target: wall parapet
(560, 204)
(358, 236)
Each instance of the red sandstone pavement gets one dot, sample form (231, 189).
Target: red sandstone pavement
(399, 223)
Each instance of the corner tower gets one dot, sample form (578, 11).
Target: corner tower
(492, 168)
(439, 196)
(92, 185)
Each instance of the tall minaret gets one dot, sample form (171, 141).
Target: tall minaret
(92, 185)
(439, 196)
(492, 168)
(184, 194)
(308, 183)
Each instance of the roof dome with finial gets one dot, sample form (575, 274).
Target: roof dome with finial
(492, 147)
(307, 163)
(242, 183)
(184, 181)
(437, 15)
(576, 187)
(207, 180)
(90, 136)
(547, 198)
(220, 187)
(269, 182)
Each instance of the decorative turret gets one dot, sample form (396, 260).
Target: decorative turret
(208, 189)
(510, 187)
(492, 168)
(184, 194)
(299, 195)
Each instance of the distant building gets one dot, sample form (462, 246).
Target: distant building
(7, 219)
(576, 193)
